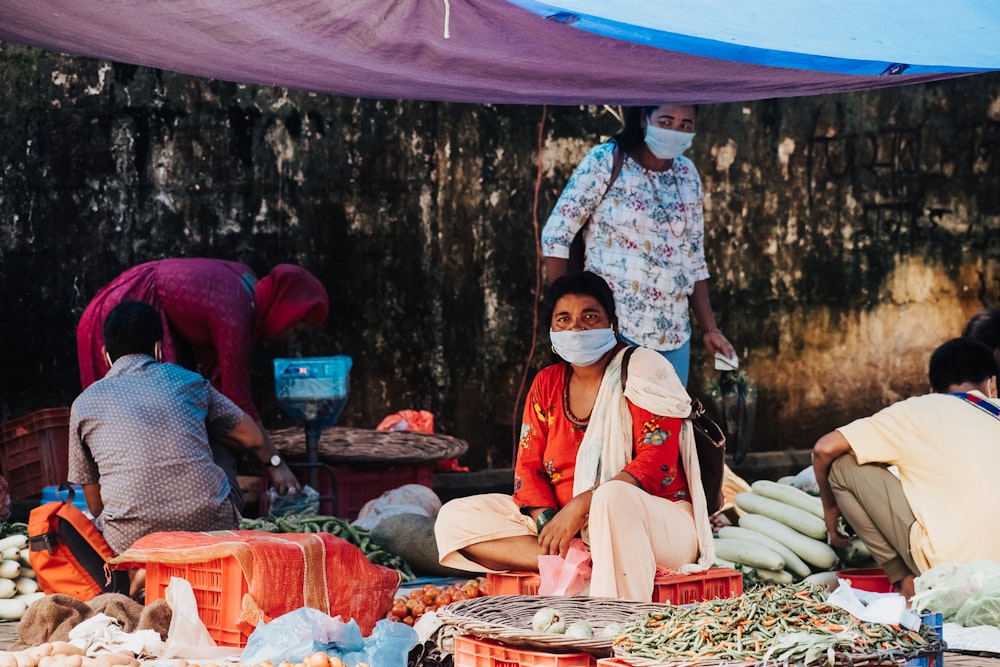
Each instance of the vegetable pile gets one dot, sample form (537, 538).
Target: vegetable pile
(314, 523)
(777, 623)
(430, 598)
(782, 536)
(64, 654)
(18, 586)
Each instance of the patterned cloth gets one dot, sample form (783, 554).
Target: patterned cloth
(546, 460)
(646, 239)
(142, 433)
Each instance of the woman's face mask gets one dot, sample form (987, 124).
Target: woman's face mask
(667, 144)
(583, 348)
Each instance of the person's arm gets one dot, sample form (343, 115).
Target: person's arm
(701, 304)
(577, 202)
(92, 494)
(555, 267)
(827, 450)
(252, 437)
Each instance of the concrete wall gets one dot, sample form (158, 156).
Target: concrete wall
(848, 235)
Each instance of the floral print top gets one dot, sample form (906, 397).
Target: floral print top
(546, 457)
(646, 239)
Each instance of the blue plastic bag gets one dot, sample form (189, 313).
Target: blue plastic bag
(389, 644)
(300, 633)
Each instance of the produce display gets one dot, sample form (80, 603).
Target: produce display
(63, 654)
(783, 624)
(18, 586)
(430, 598)
(782, 537)
(314, 523)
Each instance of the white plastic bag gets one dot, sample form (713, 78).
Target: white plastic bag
(188, 637)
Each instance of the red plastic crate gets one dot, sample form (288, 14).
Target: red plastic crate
(353, 486)
(475, 652)
(35, 451)
(718, 582)
(219, 586)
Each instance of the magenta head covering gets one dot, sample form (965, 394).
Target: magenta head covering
(286, 296)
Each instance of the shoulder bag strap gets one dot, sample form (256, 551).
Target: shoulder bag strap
(983, 405)
(625, 358)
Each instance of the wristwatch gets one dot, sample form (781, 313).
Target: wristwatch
(274, 461)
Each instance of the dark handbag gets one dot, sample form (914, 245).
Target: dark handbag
(710, 442)
(576, 248)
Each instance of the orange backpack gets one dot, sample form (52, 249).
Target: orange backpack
(68, 554)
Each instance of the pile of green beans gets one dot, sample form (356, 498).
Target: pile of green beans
(314, 523)
(793, 622)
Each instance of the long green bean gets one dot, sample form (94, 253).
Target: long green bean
(783, 623)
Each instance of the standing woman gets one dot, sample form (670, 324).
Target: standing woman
(615, 464)
(646, 233)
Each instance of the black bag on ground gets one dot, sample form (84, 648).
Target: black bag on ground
(734, 398)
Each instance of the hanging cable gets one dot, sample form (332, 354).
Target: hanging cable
(516, 420)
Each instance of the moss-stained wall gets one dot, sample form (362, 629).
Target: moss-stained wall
(848, 235)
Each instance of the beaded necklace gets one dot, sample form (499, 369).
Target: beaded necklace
(576, 421)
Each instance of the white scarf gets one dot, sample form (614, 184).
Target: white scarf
(606, 449)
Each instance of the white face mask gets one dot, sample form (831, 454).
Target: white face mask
(583, 348)
(667, 144)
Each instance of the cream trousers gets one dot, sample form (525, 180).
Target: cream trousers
(630, 533)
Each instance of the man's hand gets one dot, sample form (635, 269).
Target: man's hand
(832, 517)
(284, 480)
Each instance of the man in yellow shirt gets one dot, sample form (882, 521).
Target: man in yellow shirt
(944, 445)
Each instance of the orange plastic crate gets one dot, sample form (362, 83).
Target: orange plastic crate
(34, 451)
(718, 582)
(219, 586)
(475, 652)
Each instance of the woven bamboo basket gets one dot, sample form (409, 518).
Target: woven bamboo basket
(342, 444)
(507, 619)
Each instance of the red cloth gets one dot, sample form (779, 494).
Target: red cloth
(213, 312)
(546, 459)
(283, 572)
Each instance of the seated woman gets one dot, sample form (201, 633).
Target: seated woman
(593, 460)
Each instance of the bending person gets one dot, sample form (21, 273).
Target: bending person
(944, 446)
(613, 465)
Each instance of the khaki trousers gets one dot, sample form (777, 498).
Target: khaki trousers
(871, 500)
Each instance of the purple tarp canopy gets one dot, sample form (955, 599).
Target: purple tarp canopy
(528, 52)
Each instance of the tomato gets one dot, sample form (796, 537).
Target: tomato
(399, 608)
(418, 609)
(459, 595)
(443, 599)
(416, 594)
(409, 620)
(431, 588)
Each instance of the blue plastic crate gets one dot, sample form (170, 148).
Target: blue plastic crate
(936, 623)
